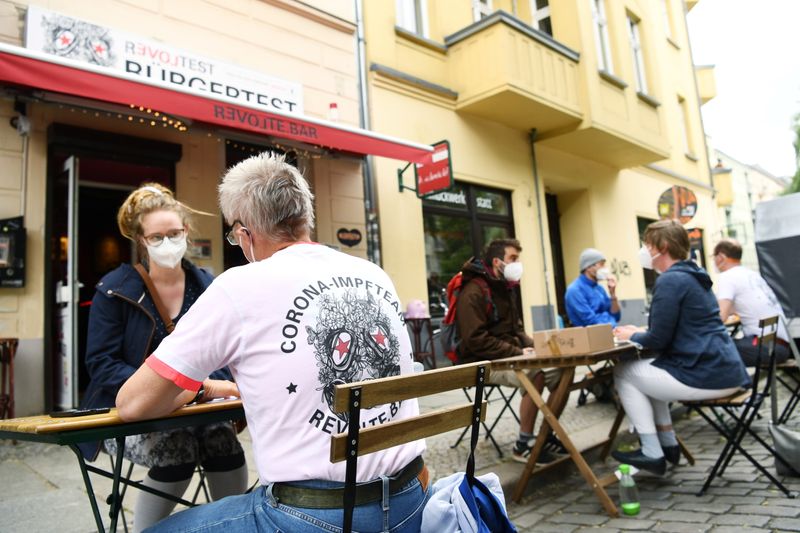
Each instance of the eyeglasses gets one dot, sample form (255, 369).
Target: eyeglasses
(174, 235)
(231, 235)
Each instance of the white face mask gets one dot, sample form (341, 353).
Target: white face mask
(602, 273)
(513, 271)
(168, 254)
(645, 259)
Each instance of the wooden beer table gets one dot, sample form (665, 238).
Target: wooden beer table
(71, 431)
(521, 364)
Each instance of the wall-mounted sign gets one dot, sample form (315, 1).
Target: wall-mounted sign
(349, 237)
(12, 252)
(677, 202)
(65, 36)
(435, 173)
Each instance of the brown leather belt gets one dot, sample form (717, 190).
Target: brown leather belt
(333, 498)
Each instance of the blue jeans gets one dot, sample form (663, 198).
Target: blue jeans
(258, 511)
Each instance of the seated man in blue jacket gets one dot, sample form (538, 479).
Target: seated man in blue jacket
(587, 302)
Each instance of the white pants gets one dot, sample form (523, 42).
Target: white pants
(646, 390)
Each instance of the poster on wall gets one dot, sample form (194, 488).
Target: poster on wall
(677, 202)
(72, 38)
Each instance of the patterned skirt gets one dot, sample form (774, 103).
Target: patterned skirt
(179, 446)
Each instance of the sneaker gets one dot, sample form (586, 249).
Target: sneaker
(521, 455)
(654, 465)
(555, 446)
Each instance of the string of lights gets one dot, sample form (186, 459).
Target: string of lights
(151, 118)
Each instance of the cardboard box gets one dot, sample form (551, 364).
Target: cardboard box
(573, 341)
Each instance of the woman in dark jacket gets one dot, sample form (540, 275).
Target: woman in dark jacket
(696, 358)
(125, 327)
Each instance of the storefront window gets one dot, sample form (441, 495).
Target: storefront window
(458, 224)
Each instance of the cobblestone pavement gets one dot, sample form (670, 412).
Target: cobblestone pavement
(42, 489)
(743, 500)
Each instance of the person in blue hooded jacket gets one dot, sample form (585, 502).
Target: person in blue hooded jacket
(696, 358)
(125, 327)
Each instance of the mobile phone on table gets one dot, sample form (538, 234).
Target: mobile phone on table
(79, 412)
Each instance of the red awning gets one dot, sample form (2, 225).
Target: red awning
(19, 66)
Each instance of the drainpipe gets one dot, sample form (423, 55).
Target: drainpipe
(536, 189)
(370, 200)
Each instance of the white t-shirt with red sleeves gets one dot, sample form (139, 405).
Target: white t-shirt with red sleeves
(289, 328)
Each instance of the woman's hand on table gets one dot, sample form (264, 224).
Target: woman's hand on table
(626, 332)
(528, 351)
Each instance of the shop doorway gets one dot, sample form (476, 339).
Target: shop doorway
(458, 224)
(88, 182)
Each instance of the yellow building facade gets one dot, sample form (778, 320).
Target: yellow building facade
(567, 121)
(94, 101)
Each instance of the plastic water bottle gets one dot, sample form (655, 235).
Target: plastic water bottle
(628, 494)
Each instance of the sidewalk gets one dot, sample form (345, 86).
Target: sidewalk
(42, 489)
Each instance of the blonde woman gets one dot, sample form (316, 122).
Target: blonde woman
(125, 327)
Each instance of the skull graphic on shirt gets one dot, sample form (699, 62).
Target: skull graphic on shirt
(353, 341)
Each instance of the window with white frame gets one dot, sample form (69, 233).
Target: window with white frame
(541, 16)
(411, 16)
(481, 9)
(601, 39)
(685, 126)
(638, 56)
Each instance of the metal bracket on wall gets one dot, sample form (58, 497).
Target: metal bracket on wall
(400, 185)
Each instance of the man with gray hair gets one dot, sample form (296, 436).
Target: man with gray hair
(587, 302)
(296, 321)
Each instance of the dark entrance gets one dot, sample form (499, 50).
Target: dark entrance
(557, 253)
(82, 203)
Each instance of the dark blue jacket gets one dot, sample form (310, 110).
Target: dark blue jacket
(120, 334)
(685, 329)
(588, 304)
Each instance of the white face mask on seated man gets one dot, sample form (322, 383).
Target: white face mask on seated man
(513, 271)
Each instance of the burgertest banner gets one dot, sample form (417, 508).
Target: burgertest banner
(65, 36)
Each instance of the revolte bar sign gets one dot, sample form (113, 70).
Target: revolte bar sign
(435, 173)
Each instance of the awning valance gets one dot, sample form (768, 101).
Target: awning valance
(22, 67)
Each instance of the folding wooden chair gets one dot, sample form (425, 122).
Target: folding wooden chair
(351, 398)
(8, 350)
(791, 370)
(742, 408)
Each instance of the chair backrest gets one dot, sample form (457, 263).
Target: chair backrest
(352, 397)
(792, 344)
(765, 359)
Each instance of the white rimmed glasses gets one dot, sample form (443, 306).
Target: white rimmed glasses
(174, 235)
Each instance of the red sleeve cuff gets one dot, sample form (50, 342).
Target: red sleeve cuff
(169, 373)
